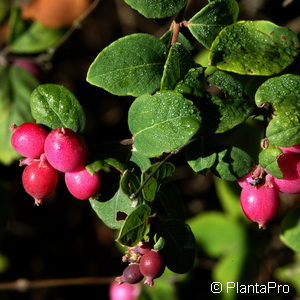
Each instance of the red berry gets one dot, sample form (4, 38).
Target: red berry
(152, 266)
(259, 204)
(65, 150)
(293, 149)
(124, 291)
(289, 164)
(81, 184)
(131, 274)
(39, 180)
(28, 139)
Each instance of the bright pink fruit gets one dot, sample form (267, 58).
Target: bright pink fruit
(39, 180)
(65, 150)
(259, 204)
(81, 184)
(152, 266)
(28, 139)
(293, 149)
(124, 291)
(289, 164)
(27, 65)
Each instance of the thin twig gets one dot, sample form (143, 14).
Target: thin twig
(25, 284)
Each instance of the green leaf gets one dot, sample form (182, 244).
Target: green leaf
(167, 37)
(132, 65)
(179, 243)
(36, 38)
(179, 61)
(209, 21)
(135, 226)
(254, 48)
(157, 8)
(192, 84)
(129, 182)
(16, 25)
(98, 165)
(16, 86)
(232, 163)
(201, 155)
(112, 212)
(268, 160)
(171, 200)
(140, 160)
(55, 106)
(162, 122)
(290, 229)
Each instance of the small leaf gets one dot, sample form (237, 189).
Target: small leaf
(162, 122)
(209, 21)
(36, 38)
(140, 160)
(98, 165)
(290, 229)
(132, 65)
(162, 172)
(179, 243)
(16, 86)
(108, 211)
(129, 182)
(135, 226)
(150, 189)
(201, 155)
(55, 106)
(268, 160)
(232, 163)
(179, 61)
(157, 8)
(254, 48)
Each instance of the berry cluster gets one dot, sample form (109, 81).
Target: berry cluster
(143, 262)
(46, 154)
(259, 196)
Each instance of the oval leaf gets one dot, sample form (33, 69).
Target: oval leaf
(209, 21)
(132, 65)
(162, 122)
(254, 48)
(55, 106)
(268, 160)
(157, 8)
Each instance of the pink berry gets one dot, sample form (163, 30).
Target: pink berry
(81, 184)
(124, 291)
(152, 265)
(289, 164)
(293, 149)
(27, 65)
(259, 204)
(28, 139)
(65, 150)
(131, 274)
(39, 180)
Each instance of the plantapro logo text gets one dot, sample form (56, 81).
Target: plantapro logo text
(269, 287)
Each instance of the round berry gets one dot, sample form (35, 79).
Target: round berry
(131, 274)
(152, 265)
(39, 180)
(293, 149)
(28, 139)
(124, 291)
(260, 204)
(289, 165)
(81, 184)
(65, 150)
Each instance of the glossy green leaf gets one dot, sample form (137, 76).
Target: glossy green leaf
(290, 229)
(132, 65)
(268, 160)
(179, 243)
(192, 84)
(113, 211)
(135, 226)
(129, 182)
(201, 155)
(36, 38)
(162, 122)
(208, 22)
(150, 189)
(167, 38)
(254, 48)
(55, 106)
(140, 160)
(157, 8)
(16, 86)
(232, 163)
(98, 165)
(179, 61)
